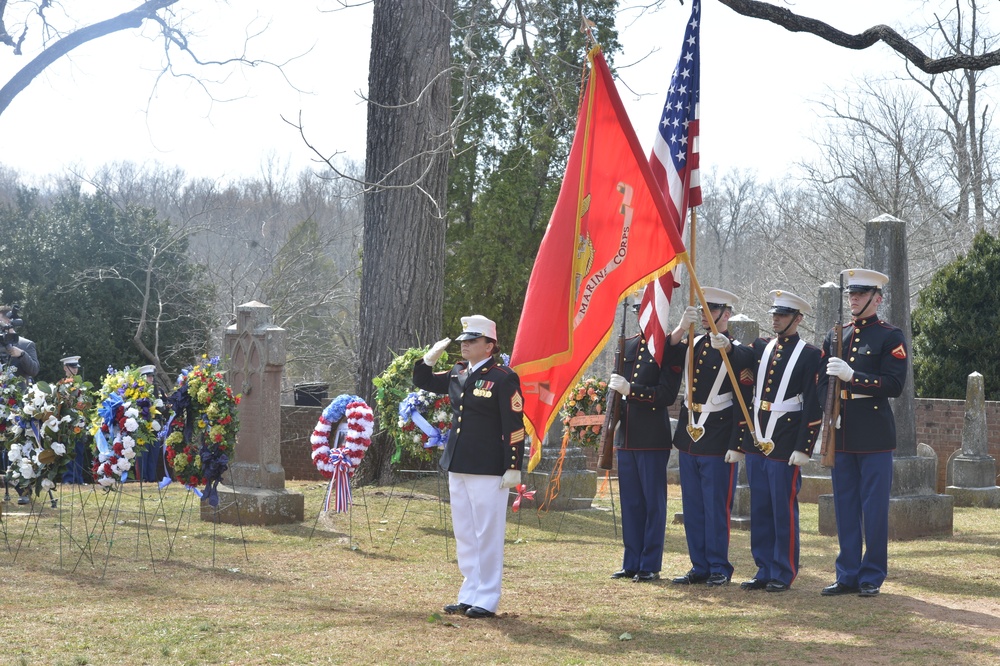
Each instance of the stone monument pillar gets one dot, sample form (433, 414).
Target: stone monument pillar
(915, 508)
(816, 478)
(973, 471)
(254, 491)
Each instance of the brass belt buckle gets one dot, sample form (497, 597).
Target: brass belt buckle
(845, 394)
(765, 405)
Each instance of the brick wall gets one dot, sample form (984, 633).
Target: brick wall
(297, 424)
(939, 425)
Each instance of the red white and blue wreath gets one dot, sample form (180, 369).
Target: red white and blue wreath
(354, 422)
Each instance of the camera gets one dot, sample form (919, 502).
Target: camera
(10, 336)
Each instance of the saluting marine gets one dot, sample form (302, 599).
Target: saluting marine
(786, 416)
(872, 371)
(482, 457)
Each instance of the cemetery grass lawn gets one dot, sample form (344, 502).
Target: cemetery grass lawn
(186, 592)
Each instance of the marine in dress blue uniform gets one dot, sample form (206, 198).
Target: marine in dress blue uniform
(642, 442)
(482, 457)
(707, 440)
(787, 416)
(873, 369)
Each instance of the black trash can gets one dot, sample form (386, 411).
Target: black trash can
(310, 394)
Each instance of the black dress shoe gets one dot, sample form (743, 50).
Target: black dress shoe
(838, 588)
(646, 576)
(717, 580)
(753, 584)
(451, 609)
(868, 590)
(477, 612)
(776, 586)
(690, 578)
(24, 499)
(624, 573)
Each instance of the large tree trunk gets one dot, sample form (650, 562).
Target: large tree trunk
(402, 277)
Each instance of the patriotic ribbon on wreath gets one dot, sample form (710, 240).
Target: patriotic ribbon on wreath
(521, 494)
(340, 482)
(409, 410)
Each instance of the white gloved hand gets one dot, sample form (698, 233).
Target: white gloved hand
(432, 356)
(735, 456)
(837, 367)
(511, 478)
(620, 384)
(719, 341)
(691, 316)
(798, 459)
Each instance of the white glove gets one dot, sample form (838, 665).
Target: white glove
(719, 340)
(837, 367)
(735, 456)
(691, 316)
(798, 459)
(432, 356)
(511, 478)
(620, 384)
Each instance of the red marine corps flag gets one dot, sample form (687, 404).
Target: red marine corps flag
(610, 232)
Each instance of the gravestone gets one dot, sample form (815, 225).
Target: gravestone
(254, 486)
(915, 508)
(973, 472)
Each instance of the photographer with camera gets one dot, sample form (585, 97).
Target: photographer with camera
(18, 353)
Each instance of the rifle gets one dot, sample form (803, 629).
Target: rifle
(831, 412)
(614, 407)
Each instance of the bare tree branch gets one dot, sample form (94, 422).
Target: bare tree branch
(125, 21)
(880, 33)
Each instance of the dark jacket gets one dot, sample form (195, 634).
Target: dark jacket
(722, 427)
(645, 423)
(487, 427)
(876, 350)
(798, 430)
(26, 363)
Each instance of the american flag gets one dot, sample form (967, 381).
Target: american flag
(674, 162)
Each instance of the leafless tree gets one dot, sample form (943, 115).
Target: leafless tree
(289, 242)
(966, 118)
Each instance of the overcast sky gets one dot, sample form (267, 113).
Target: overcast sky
(104, 103)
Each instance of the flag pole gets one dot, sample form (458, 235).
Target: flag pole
(725, 357)
(692, 228)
